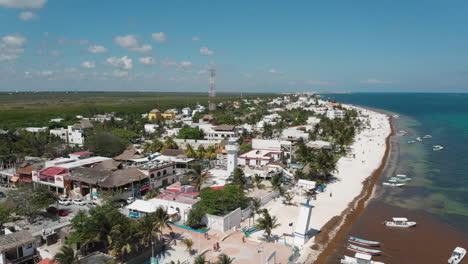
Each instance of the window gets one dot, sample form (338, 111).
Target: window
(29, 245)
(152, 175)
(159, 173)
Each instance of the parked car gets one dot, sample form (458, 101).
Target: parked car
(2, 195)
(64, 201)
(130, 200)
(54, 211)
(78, 202)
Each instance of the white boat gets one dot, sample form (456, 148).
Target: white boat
(419, 139)
(401, 176)
(427, 137)
(399, 222)
(437, 148)
(393, 184)
(411, 141)
(359, 258)
(457, 255)
(396, 116)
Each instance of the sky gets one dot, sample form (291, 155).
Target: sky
(255, 46)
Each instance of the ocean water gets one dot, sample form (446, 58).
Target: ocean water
(440, 179)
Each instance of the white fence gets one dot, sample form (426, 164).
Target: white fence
(223, 223)
(196, 143)
(272, 195)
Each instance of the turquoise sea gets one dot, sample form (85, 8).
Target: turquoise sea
(440, 179)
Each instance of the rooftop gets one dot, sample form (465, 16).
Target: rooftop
(180, 198)
(14, 240)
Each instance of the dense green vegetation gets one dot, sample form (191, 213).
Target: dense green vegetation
(187, 132)
(28, 202)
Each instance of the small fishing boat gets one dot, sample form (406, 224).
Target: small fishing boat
(437, 148)
(401, 179)
(363, 242)
(401, 175)
(394, 184)
(373, 252)
(359, 258)
(396, 116)
(457, 255)
(411, 141)
(419, 139)
(427, 137)
(399, 222)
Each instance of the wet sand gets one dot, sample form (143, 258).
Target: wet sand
(430, 241)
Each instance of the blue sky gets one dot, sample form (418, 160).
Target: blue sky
(261, 46)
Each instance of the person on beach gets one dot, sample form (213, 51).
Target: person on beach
(243, 239)
(217, 246)
(214, 247)
(330, 194)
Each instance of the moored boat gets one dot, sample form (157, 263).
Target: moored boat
(401, 175)
(419, 139)
(457, 255)
(437, 148)
(399, 222)
(401, 179)
(359, 258)
(373, 252)
(363, 242)
(393, 184)
(411, 141)
(427, 137)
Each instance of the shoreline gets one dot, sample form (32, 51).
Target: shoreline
(335, 229)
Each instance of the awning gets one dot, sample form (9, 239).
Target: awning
(14, 179)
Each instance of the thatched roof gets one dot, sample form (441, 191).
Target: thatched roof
(224, 128)
(109, 165)
(172, 152)
(129, 154)
(25, 170)
(107, 178)
(15, 240)
(83, 124)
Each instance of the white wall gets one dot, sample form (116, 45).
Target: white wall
(223, 223)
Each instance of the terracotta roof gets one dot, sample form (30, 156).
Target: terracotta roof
(26, 170)
(15, 240)
(172, 152)
(52, 171)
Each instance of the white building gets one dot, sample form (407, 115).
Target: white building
(260, 157)
(219, 132)
(70, 135)
(232, 148)
(35, 130)
(17, 247)
(187, 111)
(332, 114)
(296, 132)
(151, 128)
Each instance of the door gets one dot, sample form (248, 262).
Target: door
(20, 251)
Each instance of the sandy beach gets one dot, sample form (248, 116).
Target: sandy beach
(340, 194)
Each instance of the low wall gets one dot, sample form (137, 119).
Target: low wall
(196, 143)
(267, 198)
(223, 223)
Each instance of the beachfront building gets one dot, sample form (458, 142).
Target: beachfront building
(161, 174)
(17, 247)
(260, 157)
(219, 132)
(297, 132)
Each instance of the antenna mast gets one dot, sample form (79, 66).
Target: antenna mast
(212, 91)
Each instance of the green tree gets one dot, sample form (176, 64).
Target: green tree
(258, 180)
(106, 144)
(238, 178)
(276, 182)
(196, 176)
(153, 193)
(170, 144)
(155, 146)
(187, 132)
(245, 147)
(189, 151)
(28, 202)
(125, 134)
(267, 223)
(188, 244)
(200, 259)
(201, 152)
(256, 204)
(288, 197)
(66, 255)
(5, 213)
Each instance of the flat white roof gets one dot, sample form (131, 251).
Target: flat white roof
(82, 162)
(142, 206)
(400, 219)
(259, 154)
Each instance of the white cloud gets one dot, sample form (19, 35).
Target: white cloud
(275, 72)
(124, 63)
(147, 61)
(168, 62)
(27, 15)
(159, 37)
(15, 40)
(119, 73)
(375, 81)
(205, 51)
(195, 38)
(23, 3)
(97, 49)
(317, 83)
(185, 64)
(143, 49)
(88, 64)
(128, 41)
(11, 46)
(55, 53)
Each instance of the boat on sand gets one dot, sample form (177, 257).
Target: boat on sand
(393, 184)
(373, 252)
(363, 242)
(359, 258)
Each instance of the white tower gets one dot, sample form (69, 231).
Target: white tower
(302, 227)
(232, 148)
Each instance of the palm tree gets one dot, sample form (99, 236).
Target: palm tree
(66, 256)
(162, 220)
(257, 180)
(238, 178)
(170, 144)
(189, 151)
(201, 152)
(256, 204)
(196, 176)
(267, 223)
(276, 182)
(288, 197)
(224, 259)
(200, 259)
(189, 244)
(147, 229)
(210, 152)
